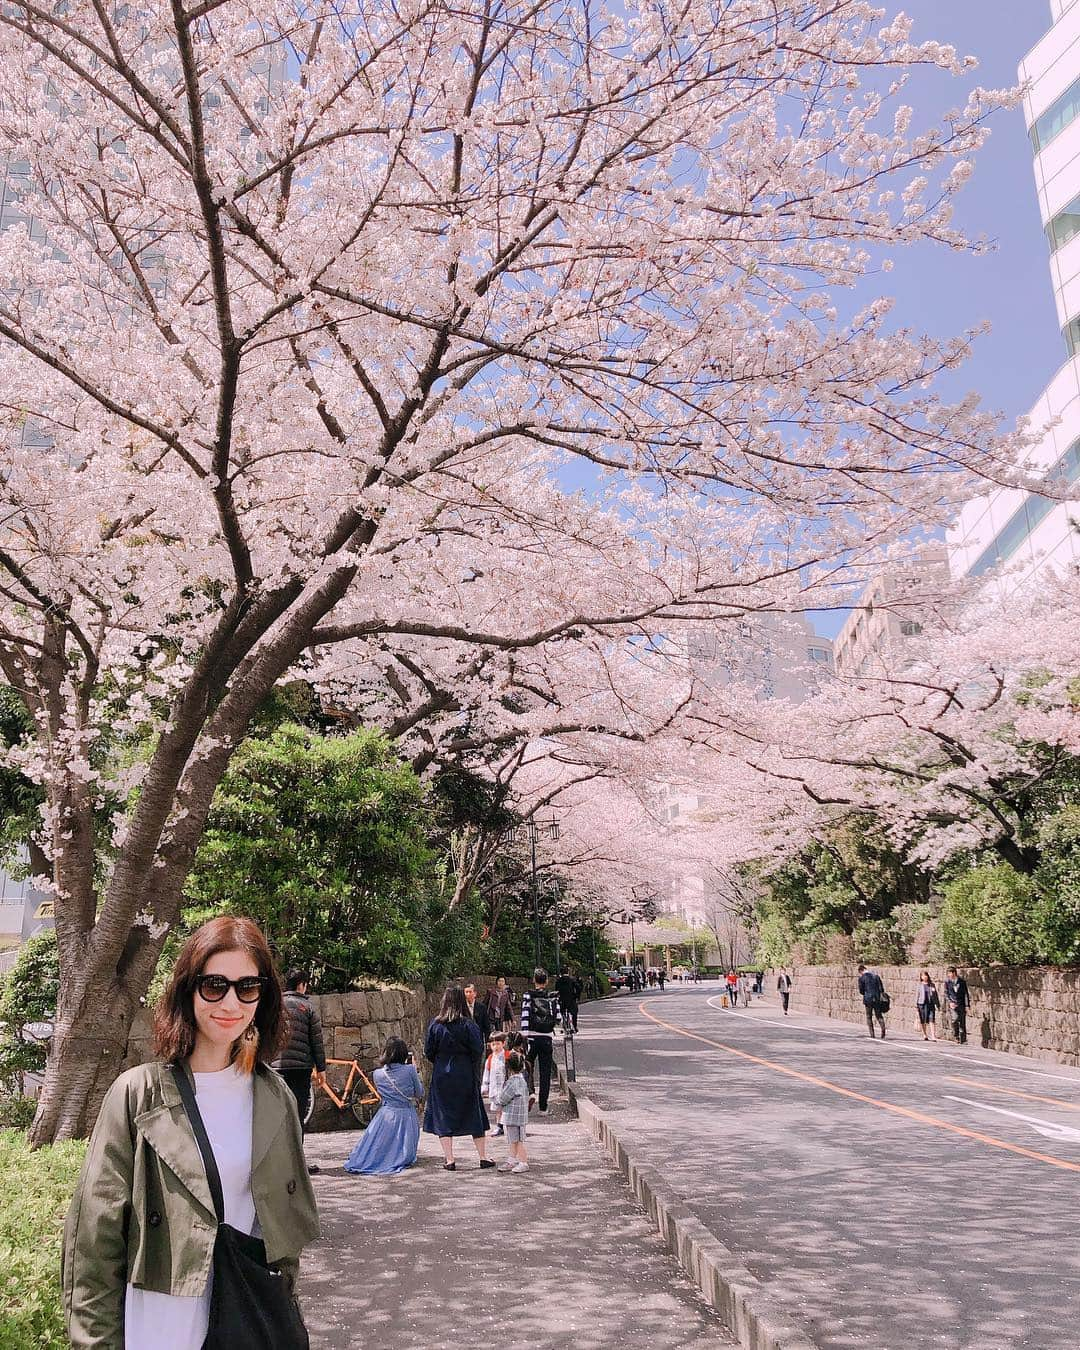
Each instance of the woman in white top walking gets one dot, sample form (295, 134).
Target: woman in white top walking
(140, 1235)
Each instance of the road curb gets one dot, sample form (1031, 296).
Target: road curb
(726, 1284)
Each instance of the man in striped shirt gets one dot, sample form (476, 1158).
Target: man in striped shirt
(540, 1015)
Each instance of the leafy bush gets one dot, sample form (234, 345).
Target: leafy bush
(1057, 913)
(36, 1188)
(879, 942)
(988, 915)
(29, 995)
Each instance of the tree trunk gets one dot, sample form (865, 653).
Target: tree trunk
(1020, 858)
(87, 1050)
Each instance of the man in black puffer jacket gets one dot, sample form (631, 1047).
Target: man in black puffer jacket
(304, 1048)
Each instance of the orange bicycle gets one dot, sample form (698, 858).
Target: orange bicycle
(359, 1095)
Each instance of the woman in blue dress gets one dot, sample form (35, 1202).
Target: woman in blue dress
(389, 1143)
(455, 1048)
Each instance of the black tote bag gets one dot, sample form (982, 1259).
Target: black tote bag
(251, 1304)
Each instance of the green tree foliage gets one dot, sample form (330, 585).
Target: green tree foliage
(29, 995)
(988, 915)
(323, 840)
(20, 799)
(1057, 911)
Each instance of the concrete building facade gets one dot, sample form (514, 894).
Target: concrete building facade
(1025, 532)
(888, 613)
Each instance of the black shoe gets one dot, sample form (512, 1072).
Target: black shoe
(313, 1170)
(449, 1167)
(486, 1162)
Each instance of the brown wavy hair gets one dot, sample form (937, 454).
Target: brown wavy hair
(174, 1016)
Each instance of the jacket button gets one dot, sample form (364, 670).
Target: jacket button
(291, 1187)
(155, 1218)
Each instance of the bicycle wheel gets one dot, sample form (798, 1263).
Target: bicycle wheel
(361, 1105)
(310, 1106)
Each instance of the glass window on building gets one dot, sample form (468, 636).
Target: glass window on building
(1064, 226)
(1028, 516)
(1056, 118)
(1071, 333)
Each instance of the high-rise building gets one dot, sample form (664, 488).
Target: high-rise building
(1027, 531)
(889, 611)
(776, 655)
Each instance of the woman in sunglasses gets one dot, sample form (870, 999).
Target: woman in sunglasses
(140, 1235)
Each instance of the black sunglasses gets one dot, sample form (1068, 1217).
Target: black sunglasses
(213, 988)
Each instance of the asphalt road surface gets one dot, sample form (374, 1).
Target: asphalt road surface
(891, 1195)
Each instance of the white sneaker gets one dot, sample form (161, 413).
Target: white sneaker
(510, 1166)
(520, 1167)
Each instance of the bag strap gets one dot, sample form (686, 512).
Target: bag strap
(213, 1176)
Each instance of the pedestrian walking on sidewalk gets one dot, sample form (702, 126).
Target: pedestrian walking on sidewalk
(569, 989)
(926, 1005)
(875, 1000)
(783, 988)
(455, 1107)
(494, 1076)
(500, 1005)
(540, 1015)
(744, 990)
(303, 1052)
(514, 1102)
(731, 986)
(390, 1142)
(956, 1000)
(152, 1234)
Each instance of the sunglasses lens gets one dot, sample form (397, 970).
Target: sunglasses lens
(213, 988)
(248, 991)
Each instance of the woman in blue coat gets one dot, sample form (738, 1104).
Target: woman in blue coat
(389, 1143)
(455, 1048)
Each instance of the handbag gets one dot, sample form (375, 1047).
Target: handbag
(251, 1304)
(884, 1002)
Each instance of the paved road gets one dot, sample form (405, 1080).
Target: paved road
(560, 1259)
(892, 1195)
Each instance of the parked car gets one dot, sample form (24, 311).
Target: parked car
(616, 979)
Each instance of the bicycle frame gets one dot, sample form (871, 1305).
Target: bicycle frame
(371, 1096)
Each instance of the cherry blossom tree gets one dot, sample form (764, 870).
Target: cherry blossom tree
(493, 326)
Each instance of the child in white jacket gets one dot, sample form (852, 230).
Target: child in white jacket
(491, 1085)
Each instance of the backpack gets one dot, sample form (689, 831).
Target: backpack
(541, 1012)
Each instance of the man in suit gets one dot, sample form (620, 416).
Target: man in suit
(956, 1000)
(478, 1012)
(872, 989)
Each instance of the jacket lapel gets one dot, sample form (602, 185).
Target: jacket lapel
(268, 1119)
(168, 1131)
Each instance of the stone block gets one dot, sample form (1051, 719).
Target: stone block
(329, 1006)
(348, 1043)
(355, 1009)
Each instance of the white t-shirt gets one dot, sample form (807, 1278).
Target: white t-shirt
(154, 1321)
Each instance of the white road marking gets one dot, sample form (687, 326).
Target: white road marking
(851, 1032)
(1047, 1128)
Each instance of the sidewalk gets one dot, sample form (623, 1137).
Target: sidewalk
(558, 1258)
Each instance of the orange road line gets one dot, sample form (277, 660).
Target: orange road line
(919, 1116)
(1015, 1092)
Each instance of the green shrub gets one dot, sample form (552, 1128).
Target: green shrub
(29, 995)
(1057, 912)
(36, 1188)
(879, 942)
(989, 915)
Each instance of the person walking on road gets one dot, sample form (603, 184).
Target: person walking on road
(514, 1103)
(569, 989)
(500, 1005)
(304, 1050)
(872, 992)
(926, 1005)
(540, 1015)
(142, 1229)
(956, 1000)
(455, 1107)
(731, 983)
(744, 990)
(783, 988)
(662, 979)
(389, 1144)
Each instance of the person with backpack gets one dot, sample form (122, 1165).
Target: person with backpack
(193, 1205)
(540, 1015)
(303, 1051)
(875, 1000)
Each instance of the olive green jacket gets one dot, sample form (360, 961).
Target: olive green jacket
(142, 1212)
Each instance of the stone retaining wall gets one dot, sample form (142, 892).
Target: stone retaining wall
(355, 1025)
(1028, 1011)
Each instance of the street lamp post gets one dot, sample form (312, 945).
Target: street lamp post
(543, 829)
